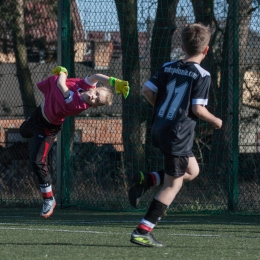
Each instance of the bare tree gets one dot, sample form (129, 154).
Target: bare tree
(226, 93)
(164, 27)
(231, 84)
(127, 16)
(204, 13)
(13, 19)
(160, 50)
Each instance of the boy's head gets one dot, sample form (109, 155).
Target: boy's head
(195, 38)
(98, 96)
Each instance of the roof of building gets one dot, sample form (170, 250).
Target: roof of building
(41, 23)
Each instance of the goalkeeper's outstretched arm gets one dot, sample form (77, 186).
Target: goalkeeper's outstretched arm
(121, 86)
(93, 79)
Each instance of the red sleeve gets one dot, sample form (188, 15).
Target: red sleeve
(47, 83)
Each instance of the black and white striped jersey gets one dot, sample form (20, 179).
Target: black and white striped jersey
(178, 85)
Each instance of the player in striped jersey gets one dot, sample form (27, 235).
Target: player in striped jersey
(179, 93)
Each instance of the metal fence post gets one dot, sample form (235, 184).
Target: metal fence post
(234, 105)
(235, 100)
(63, 152)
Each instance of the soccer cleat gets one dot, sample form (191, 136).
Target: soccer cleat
(145, 239)
(139, 187)
(48, 207)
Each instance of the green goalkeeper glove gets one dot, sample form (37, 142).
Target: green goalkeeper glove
(57, 70)
(121, 86)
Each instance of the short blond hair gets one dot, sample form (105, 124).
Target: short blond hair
(109, 96)
(195, 38)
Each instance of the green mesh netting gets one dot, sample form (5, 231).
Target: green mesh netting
(98, 152)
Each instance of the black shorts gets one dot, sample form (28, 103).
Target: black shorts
(36, 122)
(175, 165)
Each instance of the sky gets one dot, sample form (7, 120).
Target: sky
(101, 15)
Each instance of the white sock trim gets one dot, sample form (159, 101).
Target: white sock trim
(147, 223)
(46, 189)
(158, 179)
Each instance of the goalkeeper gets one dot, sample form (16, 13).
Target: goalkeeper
(62, 97)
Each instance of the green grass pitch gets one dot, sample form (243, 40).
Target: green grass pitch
(73, 234)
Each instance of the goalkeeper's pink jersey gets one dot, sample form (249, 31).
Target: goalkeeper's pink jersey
(56, 108)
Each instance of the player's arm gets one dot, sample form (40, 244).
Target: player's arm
(93, 79)
(121, 86)
(149, 95)
(203, 113)
(61, 83)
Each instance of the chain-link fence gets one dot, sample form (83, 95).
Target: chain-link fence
(98, 152)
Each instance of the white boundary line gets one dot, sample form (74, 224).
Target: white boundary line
(83, 222)
(120, 233)
(95, 232)
(59, 230)
(124, 221)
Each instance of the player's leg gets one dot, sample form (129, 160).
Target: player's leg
(172, 186)
(28, 126)
(41, 148)
(175, 170)
(192, 170)
(141, 183)
(142, 234)
(175, 167)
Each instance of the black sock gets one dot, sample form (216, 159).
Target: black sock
(161, 174)
(154, 213)
(150, 180)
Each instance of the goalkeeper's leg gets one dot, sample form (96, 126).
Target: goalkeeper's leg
(27, 128)
(41, 148)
